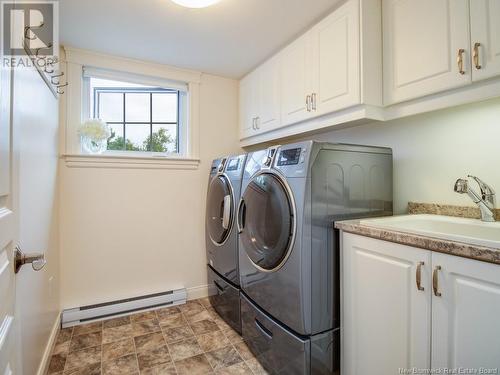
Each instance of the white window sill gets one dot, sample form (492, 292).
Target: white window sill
(129, 161)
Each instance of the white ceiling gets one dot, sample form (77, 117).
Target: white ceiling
(227, 39)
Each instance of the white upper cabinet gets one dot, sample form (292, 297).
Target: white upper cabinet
(426, 47)
(321, 70)
(465, 313)
(485, 38)
(269, 114)
(296, 81)
(375, 60)
(249, 102)
(335, 60)
(260, 99)
(318, 74)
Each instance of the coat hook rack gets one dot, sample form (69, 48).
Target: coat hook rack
(54, 80)
(59, 89)
(46, 69)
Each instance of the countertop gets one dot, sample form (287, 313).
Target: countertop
(485, 254)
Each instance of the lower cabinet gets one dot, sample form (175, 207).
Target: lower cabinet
(406, 308)
(386, 319)
(466, 314)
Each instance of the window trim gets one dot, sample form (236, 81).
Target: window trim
(73, 102)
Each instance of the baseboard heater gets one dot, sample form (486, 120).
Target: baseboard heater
(107, 310)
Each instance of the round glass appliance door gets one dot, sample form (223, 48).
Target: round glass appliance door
(220, 207)
(268, 222)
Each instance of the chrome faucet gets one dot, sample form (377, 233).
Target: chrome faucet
(485, 200)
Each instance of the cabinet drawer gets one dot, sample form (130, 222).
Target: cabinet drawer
(227, 300)
(277, 349)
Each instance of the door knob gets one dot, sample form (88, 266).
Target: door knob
(37, 260)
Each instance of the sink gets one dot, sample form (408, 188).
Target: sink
(470, 231)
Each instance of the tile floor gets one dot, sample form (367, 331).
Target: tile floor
(187, 339)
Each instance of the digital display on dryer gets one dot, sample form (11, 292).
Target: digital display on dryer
(289, 157)
(233, 165)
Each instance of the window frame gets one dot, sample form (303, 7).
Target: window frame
(78, 64)
(149, 90)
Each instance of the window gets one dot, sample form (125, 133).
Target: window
(97, 80)
(142, 118)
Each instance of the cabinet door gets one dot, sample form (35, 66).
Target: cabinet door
(485, 38)
(269, 116)
(296, 80)
(248, 100)
(422, 42)
(386, 319)
(465, 326)
(335, 60)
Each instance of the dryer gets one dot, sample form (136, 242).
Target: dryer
(289, 250)
(223, 194)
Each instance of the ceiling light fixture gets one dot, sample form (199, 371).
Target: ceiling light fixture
(195, 3)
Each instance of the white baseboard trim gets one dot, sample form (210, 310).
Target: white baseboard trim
(44, 363)
(200, 291)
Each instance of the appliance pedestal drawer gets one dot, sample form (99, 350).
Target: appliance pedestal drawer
(282, 352)
(227, 300)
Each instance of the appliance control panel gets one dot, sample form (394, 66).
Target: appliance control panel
(290, 156)
(233, 164)
(292, 160)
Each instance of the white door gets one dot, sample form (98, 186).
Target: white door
(8, 233)
(269, 114)
(485, 38)
(386, 318)
(296, 85)
(335, 62)
(465, 327)
(426, 47)
(248, 95)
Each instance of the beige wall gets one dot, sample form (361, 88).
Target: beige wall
(432, 150)
(128, 232)
(35, 120)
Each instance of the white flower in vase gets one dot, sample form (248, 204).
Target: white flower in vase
(94, 134)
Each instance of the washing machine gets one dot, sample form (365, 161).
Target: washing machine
(223, 195)
(289, 249)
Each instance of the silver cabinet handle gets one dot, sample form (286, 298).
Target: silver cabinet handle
(475, 56)
(257, 119)
(419, 276)
(253, 123)
(37, 260)
(435, 281)
(460, 61)
(308, 103)
(313, 101)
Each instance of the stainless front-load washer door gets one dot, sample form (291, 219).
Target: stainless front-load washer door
(220, 207)
(267, 221)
